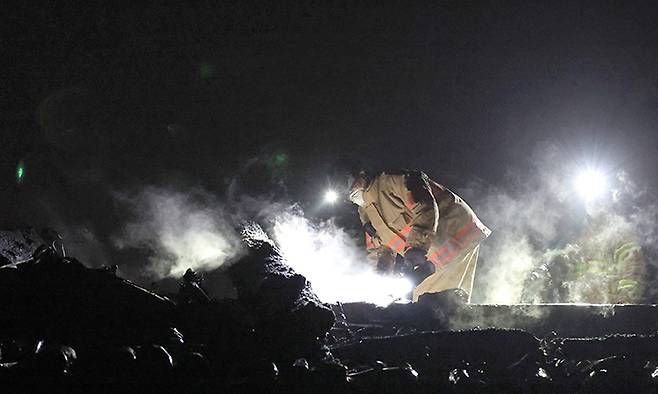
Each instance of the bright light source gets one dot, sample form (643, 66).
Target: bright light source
(331, 196)
(333, 263)
(590, 184)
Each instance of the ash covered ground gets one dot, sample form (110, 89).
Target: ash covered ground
(69, 327)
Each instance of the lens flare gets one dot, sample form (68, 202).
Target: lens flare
(590, 184)
(20, 172)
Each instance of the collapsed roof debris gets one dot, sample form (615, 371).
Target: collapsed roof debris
(68, 326)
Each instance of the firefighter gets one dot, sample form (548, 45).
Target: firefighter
(410, 215)
(614, 269)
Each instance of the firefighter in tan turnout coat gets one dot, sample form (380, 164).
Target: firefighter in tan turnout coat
(436, 231)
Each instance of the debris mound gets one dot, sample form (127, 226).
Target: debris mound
(67, 327)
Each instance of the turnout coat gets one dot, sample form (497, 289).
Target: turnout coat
(410, 210)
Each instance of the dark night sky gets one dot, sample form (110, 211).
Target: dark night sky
(102, 98)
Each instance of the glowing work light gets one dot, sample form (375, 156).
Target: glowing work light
(330, 196)
(590, 184)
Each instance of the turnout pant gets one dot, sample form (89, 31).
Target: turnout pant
(458, 274)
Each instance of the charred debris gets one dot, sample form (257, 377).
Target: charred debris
(64, 326)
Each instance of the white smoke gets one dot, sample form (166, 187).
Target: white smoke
(181, 230)
(333, 263)
(536, 215)
(193, 230)
(514, 261)
(533, 215)
(524, 214)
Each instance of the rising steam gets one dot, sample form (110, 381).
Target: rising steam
(334, 264)
(195, 231)
(538, 216)
(180, 230)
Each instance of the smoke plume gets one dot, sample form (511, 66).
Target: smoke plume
(332, 261)
(180, 230)
(538, 219)
(535, 215)
(194, 230)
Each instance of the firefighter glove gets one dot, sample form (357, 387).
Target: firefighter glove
(418, 268)
(370, 229)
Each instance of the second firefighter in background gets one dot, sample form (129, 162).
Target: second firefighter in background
(410, 215)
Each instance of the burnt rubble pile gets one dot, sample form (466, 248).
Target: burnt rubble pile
(66, 326)
(477, 359)
(63, 324)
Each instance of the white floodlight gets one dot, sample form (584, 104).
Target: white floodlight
(330, 196)
(590, 184)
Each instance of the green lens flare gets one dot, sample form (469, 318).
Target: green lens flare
(280, 159)
(20, 172)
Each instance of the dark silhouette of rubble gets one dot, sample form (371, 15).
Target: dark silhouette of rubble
(68, 328)
(58, 297)
(190, 291)
(287, 311)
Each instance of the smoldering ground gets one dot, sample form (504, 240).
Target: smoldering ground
(195, 230)
(536, 215)
(157, 213)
